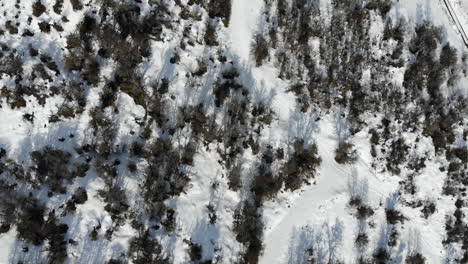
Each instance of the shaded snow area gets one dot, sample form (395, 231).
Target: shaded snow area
(233, 131)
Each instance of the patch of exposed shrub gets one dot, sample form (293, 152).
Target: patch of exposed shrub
(260, 49)
(51, 167)
(210, 36)
(248, 227)
(38, 8)
(394, 216)
(301, 165)
(221, 9)
(145, 249)
(346, 153)
(415, 258)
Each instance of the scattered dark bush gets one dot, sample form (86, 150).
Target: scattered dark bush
(448, 56)
(235, 177)
(38, 8)
(398, 154)
(76, 4)
(194, 251)
(362, 240)
(383, 6)
(394, 216)
(415, 258)
(393, 239)
(144, 249)
(12, 29)
(58, 7)
(364, 212)
(51, 167)
(230, 73)
(428, 209)
(265, 184)
(381, 256)
(202, 68)
(221, 9)
(248, 227)
(210, 35)
(260, 49)
(301, 166)
(345, 153)
(44, 27)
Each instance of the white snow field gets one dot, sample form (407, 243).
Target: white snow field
(316, 216)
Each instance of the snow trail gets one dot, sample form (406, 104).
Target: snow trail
(243, 24)
(319, 203)
(331, 182)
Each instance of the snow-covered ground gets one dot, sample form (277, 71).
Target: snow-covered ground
(317, 210)
(321, 203)
(244, 19)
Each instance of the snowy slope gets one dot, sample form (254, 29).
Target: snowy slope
(317, 216)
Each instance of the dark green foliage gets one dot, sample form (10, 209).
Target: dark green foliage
(364, 212)
(230, 73)
(57, 248)
(30, 225)
(393, 238)
(79, 197)
(428, 209)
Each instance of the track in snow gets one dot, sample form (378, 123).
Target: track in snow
(243, 24)
(455, 18)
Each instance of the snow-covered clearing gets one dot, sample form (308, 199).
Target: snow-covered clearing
(323, 202)
(244, 18)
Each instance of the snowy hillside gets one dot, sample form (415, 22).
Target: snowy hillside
(233, 131)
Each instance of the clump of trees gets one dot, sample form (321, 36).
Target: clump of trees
(221, 9)
(248, 227)
(145, 249)
(301, 165)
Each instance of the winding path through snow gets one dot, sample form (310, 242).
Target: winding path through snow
(319, 203)
(307, 208)
(243, 24)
